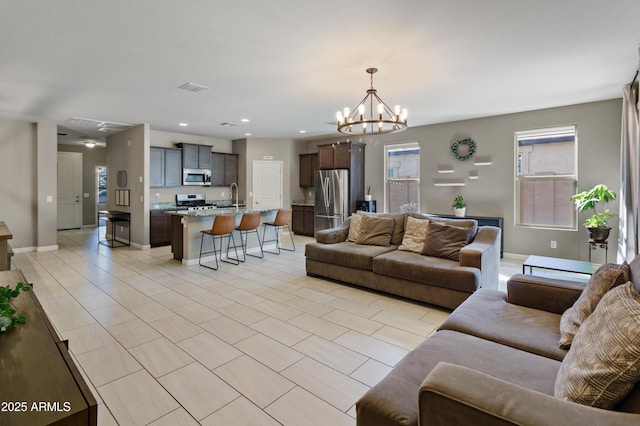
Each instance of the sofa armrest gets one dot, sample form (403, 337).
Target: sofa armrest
(547, 294)
(456, 395)
(484, 253)
(334, 235)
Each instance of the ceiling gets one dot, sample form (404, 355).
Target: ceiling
(290, 65)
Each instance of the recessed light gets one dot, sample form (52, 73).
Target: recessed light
(183, 124)
(302, 131)
(89, 144)
(247, 134)
(244, 120)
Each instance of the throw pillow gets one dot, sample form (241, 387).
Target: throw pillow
(354, 227)
(415, 232)
(398, 225)
(606, 277)
(446, 240)
(375, 231)
(603, 363)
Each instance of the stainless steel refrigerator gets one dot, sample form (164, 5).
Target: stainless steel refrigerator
(332, 198)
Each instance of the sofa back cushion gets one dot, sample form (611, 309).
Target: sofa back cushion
(606, 277)
(603, 363)
(445, 240)
(415, 232)
(375, 230)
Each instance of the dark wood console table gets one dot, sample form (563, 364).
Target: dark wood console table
(40, 384)
(114, 218)
(498, 222)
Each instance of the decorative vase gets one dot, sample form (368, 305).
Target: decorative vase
(460, 212)
(598, 235)
(367, 197)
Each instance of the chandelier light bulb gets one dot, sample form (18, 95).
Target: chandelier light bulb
(345, 112)
(396, 110)
(404, 114)
(339, 117)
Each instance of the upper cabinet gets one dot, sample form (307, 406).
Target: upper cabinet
(344, 155)
(308, 166)
(195, 156)
(224, 169)
(165, 167)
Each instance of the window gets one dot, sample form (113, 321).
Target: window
(546, 175)
(402, 180)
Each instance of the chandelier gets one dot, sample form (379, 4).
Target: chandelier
(362, 122)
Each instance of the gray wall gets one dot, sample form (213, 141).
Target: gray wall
(598, 125)
(129, 151)
(28, 165)
(91, 157)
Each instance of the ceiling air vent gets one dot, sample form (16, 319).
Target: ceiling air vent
(193, 87)
(103, 126)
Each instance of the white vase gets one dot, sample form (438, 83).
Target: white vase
(460, 212)
(367, 197)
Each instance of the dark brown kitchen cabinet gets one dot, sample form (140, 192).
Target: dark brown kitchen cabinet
(159, 228)
(195, 156)
(338, 155)
(165, 167)
(302, 220)
(308, 167)
(224, 169)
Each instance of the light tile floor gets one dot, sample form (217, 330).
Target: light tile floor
(260, 343)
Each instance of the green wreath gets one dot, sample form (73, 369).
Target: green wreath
(471, 148)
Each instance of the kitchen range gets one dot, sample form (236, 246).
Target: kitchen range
(193, 202)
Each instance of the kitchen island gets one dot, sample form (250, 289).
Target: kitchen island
(186, 226)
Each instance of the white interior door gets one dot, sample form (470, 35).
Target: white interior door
(69, 190)
(267, 184)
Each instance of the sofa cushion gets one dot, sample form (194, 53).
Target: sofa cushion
(346, 254)
(354, 227)
(445, 240)
(398, 225)
(375, 231)
(606, 277)
(603, 363)
(488, 315)
(428, 270)
(394, 401)
(415, 232)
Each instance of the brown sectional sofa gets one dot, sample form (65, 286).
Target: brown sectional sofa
(494, 361)
(435, 280)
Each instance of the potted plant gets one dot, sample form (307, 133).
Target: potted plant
(596, 224)
(367, 196)
(7, 318)
(459, 207)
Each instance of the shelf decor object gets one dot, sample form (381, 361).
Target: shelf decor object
(463, 149)
(362, 122)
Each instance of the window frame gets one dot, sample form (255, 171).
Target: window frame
(402, 146)
(531, 134)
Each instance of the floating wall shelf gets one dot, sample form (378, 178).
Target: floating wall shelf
(482, 161)
(448, 182)
(473, 174)
(445, 168)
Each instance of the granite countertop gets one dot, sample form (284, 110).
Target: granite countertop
(302, 203)
(216, 212)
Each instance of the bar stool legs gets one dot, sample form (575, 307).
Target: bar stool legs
(282, 220)
(223, 226)
(249, 223)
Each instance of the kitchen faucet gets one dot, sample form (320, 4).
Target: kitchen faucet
(236, 185)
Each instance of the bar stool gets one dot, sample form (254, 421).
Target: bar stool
(249, 223)
(282, 220)
(223, 226)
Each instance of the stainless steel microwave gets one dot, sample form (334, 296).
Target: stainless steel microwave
(196, 177)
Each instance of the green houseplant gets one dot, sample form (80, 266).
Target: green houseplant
(459, 207)
(589, 200)
(367, 196)
(7, 318)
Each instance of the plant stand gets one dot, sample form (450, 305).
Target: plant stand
(593, 245)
